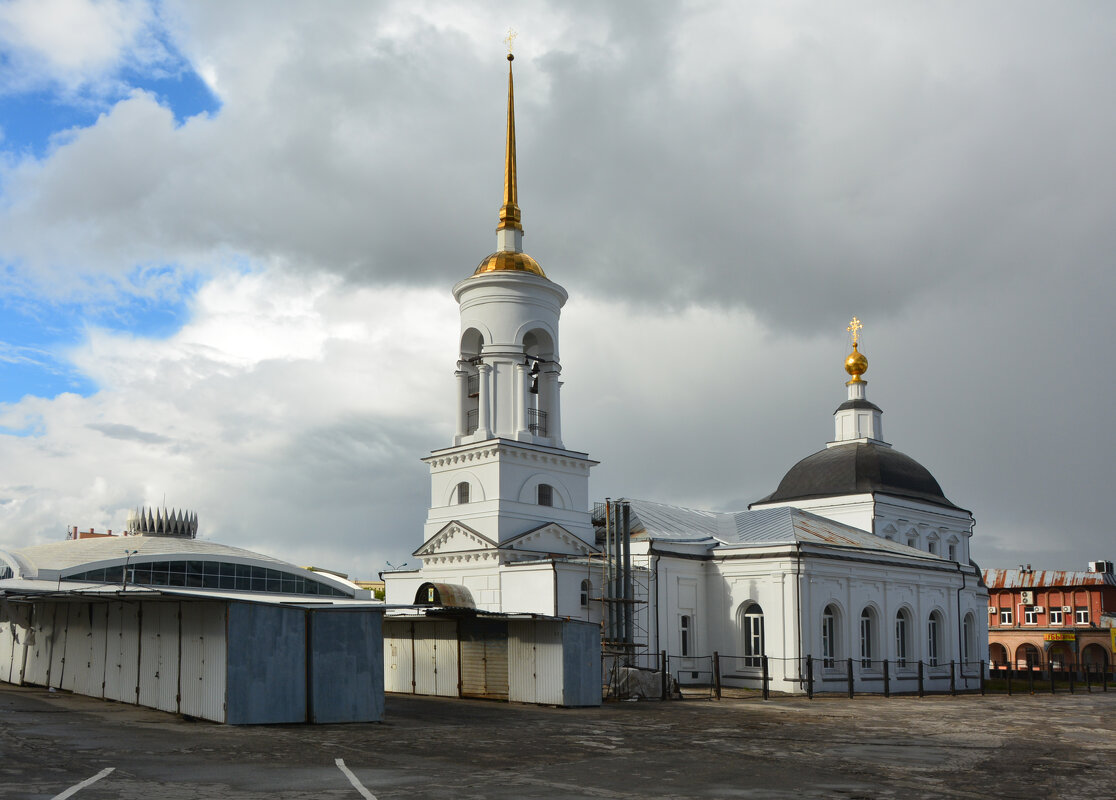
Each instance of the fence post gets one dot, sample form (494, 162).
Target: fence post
(887, 679)
(810, 677)
(717, 674)
(850, 679)
(1104, 677)
(663, 672)
(766, 678)
(1010, 675)
(982, 677)
(952, 678)
(1072, 675)
(921, 689)
(1088, 679)
(1052, 679)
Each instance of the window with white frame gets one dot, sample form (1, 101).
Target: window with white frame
(829, 638)
(933, 638)
(1005, 616)
(752, 631)
(866, 633)
(932, 547)
(463, 493)
(1056, 616)
(953, 551)
(546, 494)
(902, 638)
(968, 637)
(1081, 615)
(1030, 616)
(585, 593)
(685, 626)
(912, 541)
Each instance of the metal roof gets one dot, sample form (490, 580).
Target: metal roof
(761, 527)
(68, 554)
(1044, 578)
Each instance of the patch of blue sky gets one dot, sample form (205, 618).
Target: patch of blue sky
(29, 119)
(36, 333)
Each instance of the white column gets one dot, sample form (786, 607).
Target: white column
(550, 387)
(522, 393)
(462, 401)
(555, 426)
(484, 391)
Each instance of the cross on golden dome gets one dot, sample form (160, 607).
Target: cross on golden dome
(509, 40)
(855, 328)
(856, 364)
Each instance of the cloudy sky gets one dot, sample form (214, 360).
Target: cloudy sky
(228, 236)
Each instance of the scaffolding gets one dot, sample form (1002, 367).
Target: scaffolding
(624, 589)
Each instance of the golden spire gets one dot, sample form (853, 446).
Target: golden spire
(509, 212)
(856, 364)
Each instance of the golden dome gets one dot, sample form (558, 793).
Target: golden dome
(509, 261)
(856, 364)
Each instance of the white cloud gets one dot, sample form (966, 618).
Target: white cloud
(290, 413)
(73, 44)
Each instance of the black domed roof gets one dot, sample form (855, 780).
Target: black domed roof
(858, 468)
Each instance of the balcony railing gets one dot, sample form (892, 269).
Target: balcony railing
(536, 421)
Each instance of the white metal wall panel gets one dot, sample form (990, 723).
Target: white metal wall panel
(159, 653)
(77, 654)
(40, 643)
(203, 661)
(426, 659)
(13, 639)
(484, 659)
(58, 644)
(398, 656)
(122, 652)
(549, 686)
(94, 684)
(445, 657)
(521, 661)
(20, 621)
(7, 641)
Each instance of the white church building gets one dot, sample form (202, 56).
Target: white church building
(856, 559)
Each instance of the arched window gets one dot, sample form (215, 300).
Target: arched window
(934, 629)
(752, 633)
(902, 638)
(867, 638)
(463, 492)
(968, 637)
(829, 638)
(585, 593)
(546, 494)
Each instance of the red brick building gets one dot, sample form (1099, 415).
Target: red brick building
(1046, 619)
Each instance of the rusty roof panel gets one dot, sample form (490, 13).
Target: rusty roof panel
(1045, 578)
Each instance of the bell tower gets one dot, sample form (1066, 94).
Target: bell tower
(507, 471)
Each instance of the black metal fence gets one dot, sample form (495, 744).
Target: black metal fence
(714, 676)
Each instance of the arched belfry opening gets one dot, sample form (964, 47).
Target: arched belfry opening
(469, 377)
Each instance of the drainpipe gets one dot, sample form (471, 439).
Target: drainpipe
(961, 627)
(798, 603)
(658, 626)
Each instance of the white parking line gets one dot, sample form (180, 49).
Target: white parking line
(367, 795)
(77, 787)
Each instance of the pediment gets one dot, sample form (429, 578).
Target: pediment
(550, 538)
(455, 538)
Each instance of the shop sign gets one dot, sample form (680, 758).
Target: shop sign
(1059, 637)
